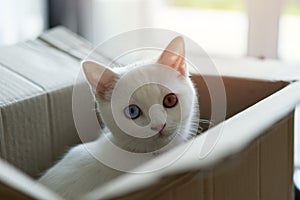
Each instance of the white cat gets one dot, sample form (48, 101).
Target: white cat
(149, 108)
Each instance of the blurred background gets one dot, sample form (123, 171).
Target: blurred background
(224, 28)
(260, 28)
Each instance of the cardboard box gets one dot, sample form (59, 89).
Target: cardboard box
(253, 158)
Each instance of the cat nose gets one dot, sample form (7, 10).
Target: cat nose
(158, 127)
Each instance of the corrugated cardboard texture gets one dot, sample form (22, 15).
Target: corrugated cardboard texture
(241, 93)
(69, 43)
(238, 133)
(22, 143)
(276, 169)
(263, 171)
(36, 103)
(24, 109)
(36, 127)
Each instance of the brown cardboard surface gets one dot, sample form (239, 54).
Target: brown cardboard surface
(62, 123)
(69, 43)
(241, 166)
(22, 143)
(245, 127)
(7, 192)
(46, 67)
(276, 169)
(240, 177)
(20, 115)
(47, 114)
(16, 185)
(241, 93)
(14, 88)
(2, 144)
(240, 181)
(253, 68)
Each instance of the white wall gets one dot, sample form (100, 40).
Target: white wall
(21, 20)
(101, 19)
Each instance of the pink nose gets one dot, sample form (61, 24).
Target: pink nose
(158, 127)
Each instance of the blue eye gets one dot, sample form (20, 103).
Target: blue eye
(132, 111)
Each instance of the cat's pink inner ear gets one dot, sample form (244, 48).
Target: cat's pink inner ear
(173, 55)
(99, 77)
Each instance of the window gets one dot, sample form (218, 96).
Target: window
(220, 27)
(21, 20)
(289, 32)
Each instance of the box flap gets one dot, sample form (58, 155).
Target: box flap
(23, 108)
(23, 186)
(70, 43)
(245, 127)
(44, 66)
(254, 68)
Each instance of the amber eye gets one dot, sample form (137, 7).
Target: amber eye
(170, 100)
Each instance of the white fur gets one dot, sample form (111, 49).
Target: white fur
(180, 124)
(80, 172)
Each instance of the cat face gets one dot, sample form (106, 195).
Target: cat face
(145, 107)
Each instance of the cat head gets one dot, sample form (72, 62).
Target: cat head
(145, 107)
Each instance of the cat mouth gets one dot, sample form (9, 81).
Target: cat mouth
(160, 133)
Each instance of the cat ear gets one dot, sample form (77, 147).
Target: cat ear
(173, 55)
(99, 77)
